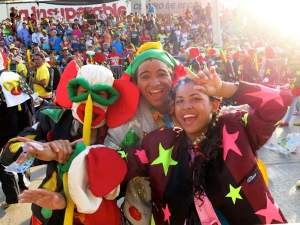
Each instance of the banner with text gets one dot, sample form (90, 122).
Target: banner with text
(43, 10)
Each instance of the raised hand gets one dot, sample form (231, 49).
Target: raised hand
(208, 81)
(43, 198)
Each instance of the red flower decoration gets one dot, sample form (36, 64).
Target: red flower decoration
(16, 91)
(125, 76)
(134, 213)
(49, 136)
(179, 72)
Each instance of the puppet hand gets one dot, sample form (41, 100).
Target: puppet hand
(43, 198)
(113, 194)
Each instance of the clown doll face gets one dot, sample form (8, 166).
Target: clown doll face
(96, 82)
(10, 85)
(154, 81)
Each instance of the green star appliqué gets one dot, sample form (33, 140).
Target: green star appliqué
(165, 158)
(123, 154)
(234, 193)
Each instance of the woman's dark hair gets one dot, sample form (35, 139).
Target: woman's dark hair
(208, 157)
(207, 148)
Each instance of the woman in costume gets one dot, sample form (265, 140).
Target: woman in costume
(206, 172)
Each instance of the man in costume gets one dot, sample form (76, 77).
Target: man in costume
(94, 102)
(153, 111)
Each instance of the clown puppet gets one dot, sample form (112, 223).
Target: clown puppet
(94, 102)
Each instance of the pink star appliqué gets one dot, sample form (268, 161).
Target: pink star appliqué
(266, 95)
(167, 214)
(229, 143)
(141, 154)
(271, 212)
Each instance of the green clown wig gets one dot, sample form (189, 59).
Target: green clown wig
(150, 50)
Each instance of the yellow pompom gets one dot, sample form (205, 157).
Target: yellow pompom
(149, 45)
(263, 170)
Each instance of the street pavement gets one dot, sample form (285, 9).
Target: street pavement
(19, 214)
(283, 172)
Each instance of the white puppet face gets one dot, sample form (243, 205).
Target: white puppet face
(10, 84)
(96, 81)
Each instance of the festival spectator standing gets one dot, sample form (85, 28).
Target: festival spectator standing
(115, 62)
(99, 57)
(13, 14)
(25, 35)
(42, 76)
(134, 35)
(116, 43)
(45, 41)
(52, 38)
(102, 17)
(107, 39)
(57, 43)
(63, 58)
(65, 43)
(151, 9)
(36, 36)
(21, 68)
(76, 31)
(145, 37)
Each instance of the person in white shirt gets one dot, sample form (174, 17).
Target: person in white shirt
(36, 36)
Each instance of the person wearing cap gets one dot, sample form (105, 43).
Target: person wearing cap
(88, 101)
(21, 68)
(63, 58)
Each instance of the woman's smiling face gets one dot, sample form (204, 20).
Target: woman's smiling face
(193, 109)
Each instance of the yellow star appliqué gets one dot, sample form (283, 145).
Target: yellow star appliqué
(245, 119)
(234, 193)
(123, 154)
(165, 158)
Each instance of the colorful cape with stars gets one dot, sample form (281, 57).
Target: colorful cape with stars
(234, 183)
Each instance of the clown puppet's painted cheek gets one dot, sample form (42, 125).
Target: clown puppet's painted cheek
(99, 113)
(16, 91)
(13, 86)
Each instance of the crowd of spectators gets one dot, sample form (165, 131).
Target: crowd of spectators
(105, 39)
